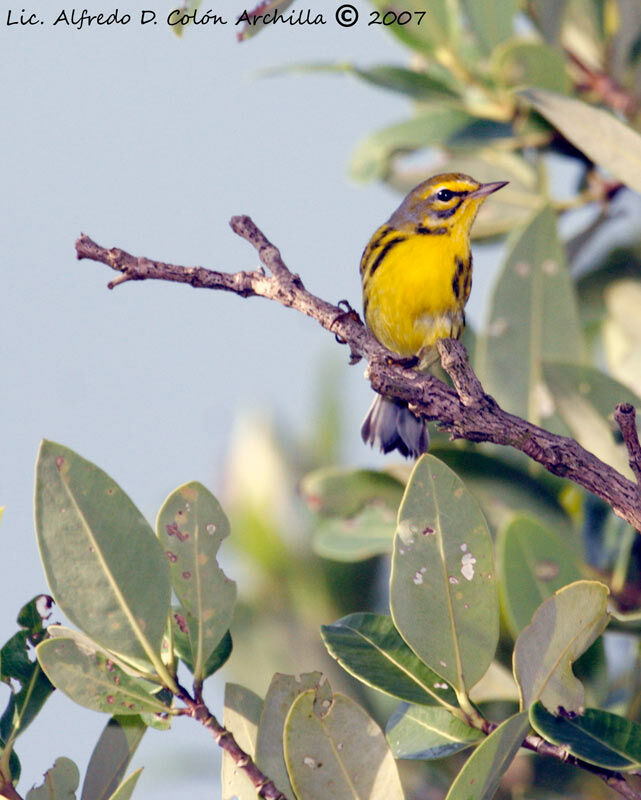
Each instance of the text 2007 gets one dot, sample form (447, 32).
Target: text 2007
(391, 17)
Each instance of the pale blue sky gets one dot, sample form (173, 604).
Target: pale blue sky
(152, 143)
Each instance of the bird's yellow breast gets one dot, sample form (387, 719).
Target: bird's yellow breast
(417, 292)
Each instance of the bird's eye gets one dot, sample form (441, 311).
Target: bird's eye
(444, 195)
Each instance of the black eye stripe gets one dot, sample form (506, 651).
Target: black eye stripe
(454, 194)
(444, 213)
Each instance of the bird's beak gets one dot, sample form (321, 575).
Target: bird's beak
(487, 188)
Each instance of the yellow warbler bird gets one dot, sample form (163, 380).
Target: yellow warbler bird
(417, 274)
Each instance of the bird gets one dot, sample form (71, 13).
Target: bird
(416, 273)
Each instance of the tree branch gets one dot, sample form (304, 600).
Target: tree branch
(626, 418)
(615, 780)
(465, 411)
(265, 787)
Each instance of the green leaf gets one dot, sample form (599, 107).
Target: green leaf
(622, 331)
(191, 526)
(282, 693)
(126, 788)
(431, 82)
(601, 136)
(15, 657)
(105, 567)
(370, 648)
(25, 704)
(530, 64)
(114, 750)
(443, 594)
(430, 127)
(492, 21)
(341, 492)
(533, 316)
(595, 736)
(241, 716)
(356, 511)
(413, 83)
(548, 18)
(16, 665)
(585, 399)
(422, 732)
(563, 628)
(91, 679)
(368, 533)
(183, 646)
(532, 562)
(503, 489)
(480, 777)
(333, 748)
(433, 29)
(60, 783)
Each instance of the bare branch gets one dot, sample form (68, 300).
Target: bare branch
(265, 787)
(466, 411)
(626, 418)
(615, 780)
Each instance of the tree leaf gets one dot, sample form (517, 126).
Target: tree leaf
(114, 750)
(126, 788)
(368, 533)
(282, 693)
(333, 748)
(431, 30)
(595, 736)
(17, 666)
(430, 127)
(548, 18)
(356, 511)
(103, 563)
(533, 316)
(424, 732)
(585, 399)
(482, 772)
(420, 85)
(370, 648)
(563, 628)
(191, 526)
(532, 563)
(183, 647)
(60, 783)
(24, 704)
(622, 332)
(503, 490)
(443, 593)
(92, 680)
(492, 21)
(530, 64)
(601, 136)
(241, 716)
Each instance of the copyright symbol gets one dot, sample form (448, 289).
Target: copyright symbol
(346, 15)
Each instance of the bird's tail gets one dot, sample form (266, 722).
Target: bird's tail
(390, 425)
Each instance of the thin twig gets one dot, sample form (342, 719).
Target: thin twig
(196, 709)
(466, 411)
(626, 418)
(8, 792)
(615, 780)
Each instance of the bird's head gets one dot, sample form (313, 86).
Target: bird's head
(449, 201)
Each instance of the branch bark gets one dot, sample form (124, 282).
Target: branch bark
(465, 411)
